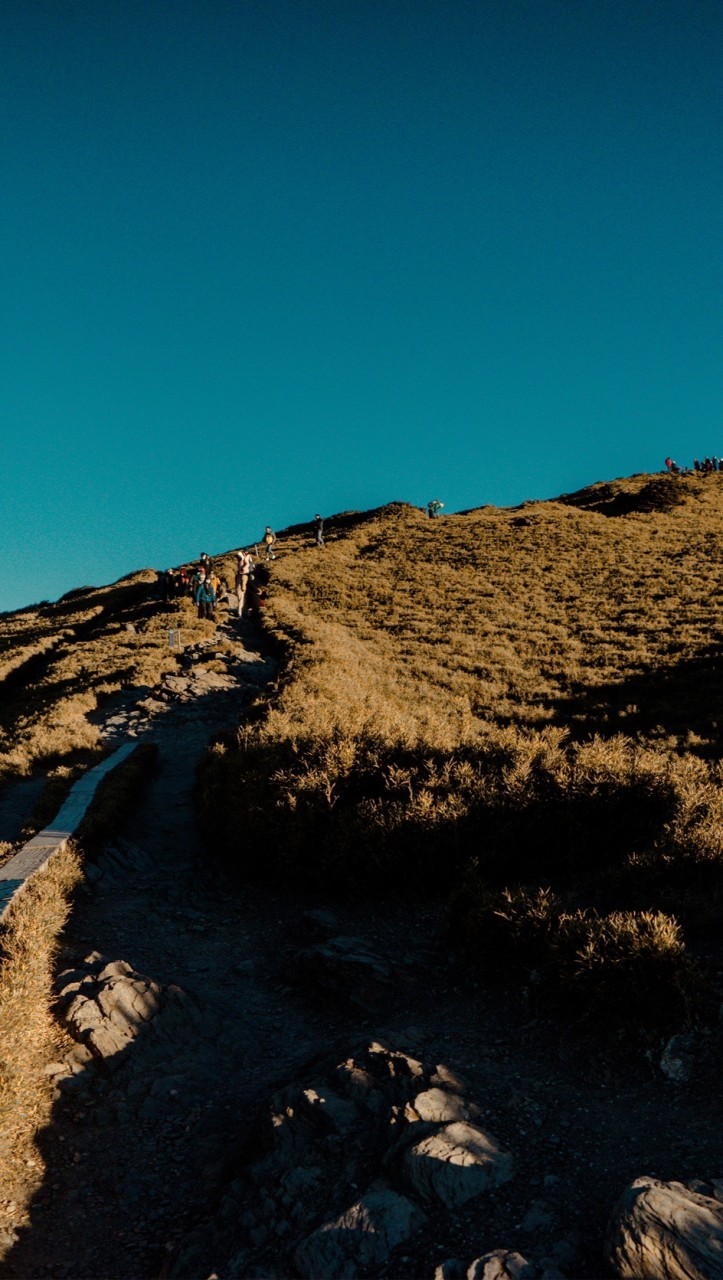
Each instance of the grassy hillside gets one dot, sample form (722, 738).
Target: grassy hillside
(518, 708)
(57, 660)
(515, 711)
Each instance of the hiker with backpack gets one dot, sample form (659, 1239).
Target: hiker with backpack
(205, 597)
(244, 569)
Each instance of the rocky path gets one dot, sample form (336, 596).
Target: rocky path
(142, 1126)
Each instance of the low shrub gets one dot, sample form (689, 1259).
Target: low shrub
(620, 969)
(353, 812)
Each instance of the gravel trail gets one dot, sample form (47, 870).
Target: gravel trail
(136, 1147)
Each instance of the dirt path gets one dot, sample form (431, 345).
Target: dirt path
(132, 1155)
(139, 1151)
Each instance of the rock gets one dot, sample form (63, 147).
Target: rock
(360, 1086)
(450, 1269)
(203, 680)
(666, 1230)
(456, 1164)
(104, 1005)
(345, 968)
(360, 1240)
(318, 925)
(440, 1106)
(501, 1264)
(504, 1264)
(677, 1061)
(177, 684)
(538, 1216)
(352, 1123)
(443, 1078)
(337, 1113)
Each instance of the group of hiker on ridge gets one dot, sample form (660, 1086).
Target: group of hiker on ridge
(702, 468)
(207, 589)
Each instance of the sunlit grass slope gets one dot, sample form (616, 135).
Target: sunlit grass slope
(498, 705)
(57, 660)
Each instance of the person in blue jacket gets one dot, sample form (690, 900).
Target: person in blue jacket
(205, 597)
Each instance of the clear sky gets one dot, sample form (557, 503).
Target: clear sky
(262, 258)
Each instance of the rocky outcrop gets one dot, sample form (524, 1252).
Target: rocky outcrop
(360, 1239)
(454, 1164)
(104, 1004)
(668, 1231)
(349, 1165)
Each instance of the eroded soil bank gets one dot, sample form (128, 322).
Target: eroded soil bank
(148, 1135)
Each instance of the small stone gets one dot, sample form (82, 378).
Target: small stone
(450, 1269)
(538, 1216)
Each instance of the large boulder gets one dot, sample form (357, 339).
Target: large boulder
(666, 1231)
(455, 1163)
(106, 1004)
(361, 1239)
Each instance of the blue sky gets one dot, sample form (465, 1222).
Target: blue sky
(264, 258)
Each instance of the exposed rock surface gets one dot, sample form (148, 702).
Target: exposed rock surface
(105, 1003)
(505, 1264)
(667, 1231)
(352, 1159)
(360, 1239)
(455, 1163)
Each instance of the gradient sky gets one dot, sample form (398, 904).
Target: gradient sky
(264, 258)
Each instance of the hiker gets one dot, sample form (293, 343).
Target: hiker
(205, 597)
(244, 569)
(434, 507)
(319, 530)
(167, 585)
(269, 541)
(198, 576)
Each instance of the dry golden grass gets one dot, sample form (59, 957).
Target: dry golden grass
(57, 660)
(533, 693)
(29, 1036)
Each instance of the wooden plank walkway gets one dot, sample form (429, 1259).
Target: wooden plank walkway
(15, 874)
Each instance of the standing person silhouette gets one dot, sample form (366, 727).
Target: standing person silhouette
(319, 530)
(244, 568)
(269, 541)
